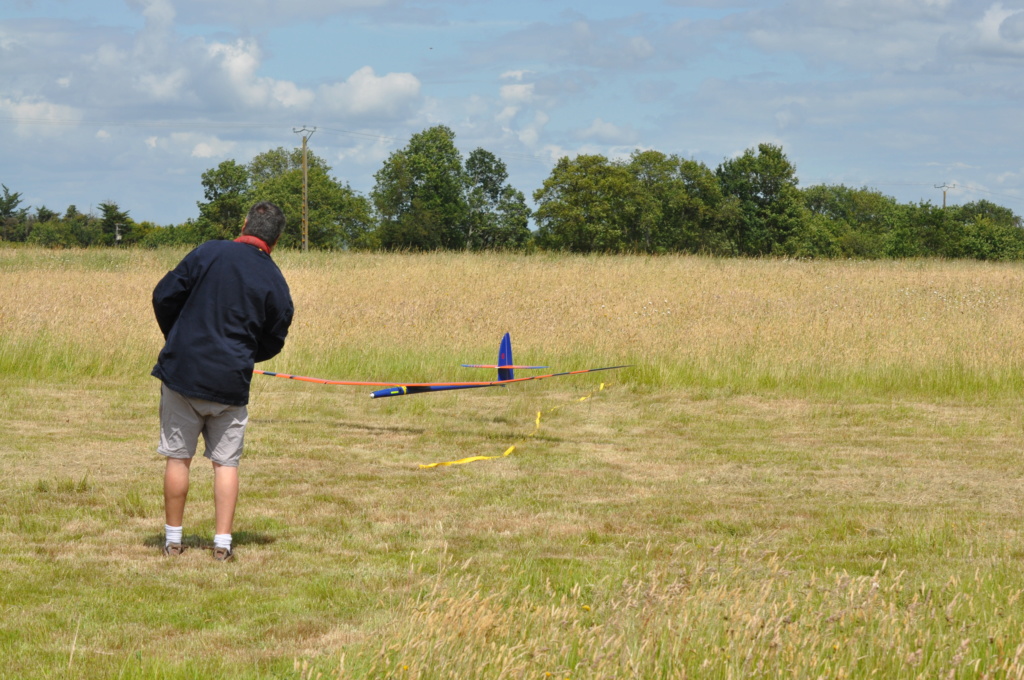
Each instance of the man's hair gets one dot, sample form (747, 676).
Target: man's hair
(265, 221)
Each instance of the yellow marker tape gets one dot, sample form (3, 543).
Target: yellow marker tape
(509, 450)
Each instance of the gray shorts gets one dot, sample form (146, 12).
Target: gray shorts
(183, 419)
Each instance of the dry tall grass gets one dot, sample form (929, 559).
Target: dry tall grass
(953, 327)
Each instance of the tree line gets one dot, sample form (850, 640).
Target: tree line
(427, 196)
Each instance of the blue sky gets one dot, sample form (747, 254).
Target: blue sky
(132, 100)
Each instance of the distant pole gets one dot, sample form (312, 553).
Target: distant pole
(305, 186)
(945, 188)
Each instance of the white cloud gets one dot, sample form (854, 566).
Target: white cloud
(1010, 177)
(1012, 27)
(191, 144)
(862, 35)
(38, 116)
(214, 148)
(641, 47)
(999, 31)
(637, 41)
(365, 94)
(554, 152)
(102, 134)
(515, 75)
(239, 63)
(163, 87)
(506, 115)
(517, 94)
(272, 13)
(7, 42)
(109, 57)
(607, 133)
(871, 15)
(530, 135)
(956, 165)
(158, 13)
(290, 95)
(514, 98)
(371, 152)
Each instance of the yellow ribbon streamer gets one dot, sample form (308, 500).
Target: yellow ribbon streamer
(509, 450)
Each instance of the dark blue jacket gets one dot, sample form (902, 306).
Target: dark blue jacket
(223, 308)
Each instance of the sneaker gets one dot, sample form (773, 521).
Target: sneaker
(223, 554)
(173, 549)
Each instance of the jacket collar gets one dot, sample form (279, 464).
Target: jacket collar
(255, 241)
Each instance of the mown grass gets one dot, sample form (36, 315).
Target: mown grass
(812, 470)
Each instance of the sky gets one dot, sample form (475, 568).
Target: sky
(131, 101)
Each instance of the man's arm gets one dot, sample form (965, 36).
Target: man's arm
(275, 329)
(169, 297)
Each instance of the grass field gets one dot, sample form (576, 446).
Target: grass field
(812, 470)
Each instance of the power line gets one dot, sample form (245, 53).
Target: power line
(353, 133)
(967, 187)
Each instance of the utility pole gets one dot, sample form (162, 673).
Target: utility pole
(944, 187)
(305, 186)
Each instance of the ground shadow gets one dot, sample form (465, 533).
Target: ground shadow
(197, 542)
(346, 425)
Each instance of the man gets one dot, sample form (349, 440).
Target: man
(223, 308)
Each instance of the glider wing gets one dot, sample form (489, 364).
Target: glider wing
(506, 376)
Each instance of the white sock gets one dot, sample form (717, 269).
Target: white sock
(222, 541)
(172, 534)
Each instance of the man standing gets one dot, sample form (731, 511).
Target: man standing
(224, 307)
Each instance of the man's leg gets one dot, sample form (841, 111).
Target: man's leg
(176, 490)
(225, 438)
(225, 496)
(175, 495)
(179, 432)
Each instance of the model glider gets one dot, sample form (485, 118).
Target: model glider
(506, 376)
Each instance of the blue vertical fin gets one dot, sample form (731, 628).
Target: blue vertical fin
(505, 359)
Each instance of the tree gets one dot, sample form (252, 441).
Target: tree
(115, 224)
(44, 214)
(339, 218)
(86, 229)
(419, 194)
(680, 206)
(771, 207)
(276, 162)
(587, 204)
(986, 209)
(53, 234)
(12, 218)
(916, 231)
(847, 222)
(981, 230)
(226, 190)
(498, 216)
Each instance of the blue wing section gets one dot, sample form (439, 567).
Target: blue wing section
(505, 359)
(402, 390)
